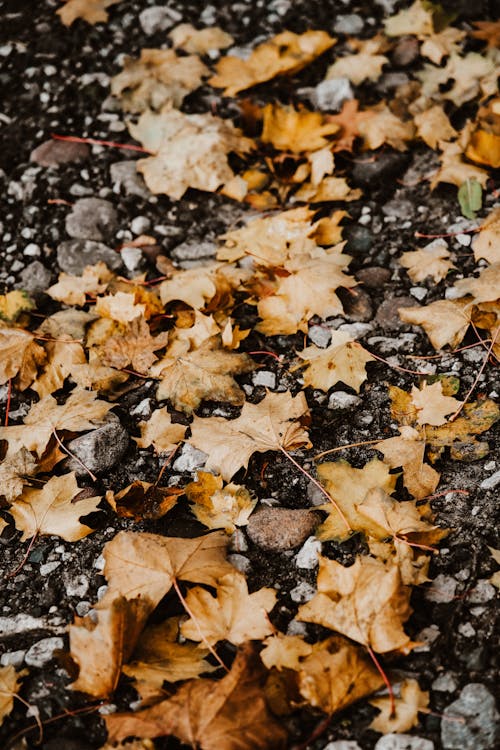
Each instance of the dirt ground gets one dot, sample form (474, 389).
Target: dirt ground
(55, 80)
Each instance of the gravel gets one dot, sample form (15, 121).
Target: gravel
(478, 731)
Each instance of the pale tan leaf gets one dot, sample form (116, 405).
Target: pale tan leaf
(92, 11)
(284, 651)
(486, 244)
(407, 706)
(199, 41)
(298, 131)
(343, 360)
(484, 288)
(446, 42)
(219, 507)
(384, 127)
(13, 470)
(445, 321)
(120, 307)
(161, 432)
(432, 405)
(132, 345)
(20, 356)
(413, 20)
(431, 261)
(10, 681)
(408, 451)
(454, 169)
(434, 126)
(63, 357)
(360, 67)
(72, 289)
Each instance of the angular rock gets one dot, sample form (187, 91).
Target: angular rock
(442, 589)
(320, 335)
(74, 255)
(343, 400)
(401, 209)
(378, 167)
(92, 219)
(35, 278)
(387, 315)
(479, 730)
(342, 745)
(42, 651)
(125, 177)
(329, 95)
(405, 52)
(307, 556)
(359, 239)
(158, 18)
(491, 482)
(403, 742)
(357, 305)
(351, 23)
(190, 250)
(100, 449)
(51, 153)
(190, 459)
(373, 277)
(280, 528)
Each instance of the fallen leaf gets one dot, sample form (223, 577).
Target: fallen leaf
(440, 45)
(55, 509)
(63, 355)
(488, 31)
(13, 471)
(431, 261)
(445, 321)
(121, 307)
(408, 451)
(160, 432)
(384, 127)
(143, 500)
(470, 75)
(476, 417)
(486, 244)
(10, 681)
(199, 41)
(72, 290)
(349, 119)
(484, 147)
(97, 377)
(434, 126)
(219, 507)
(385, 517)
(270, 425)
(432, 405)
(284, 54)
(329, 189)
(484, 288)
(366, 602)
(416, 19)
(20, 357)
(92, 11)
(288, 129)
(284, 651)
(363, 66)
(454, 169)
(132, 345)
(406, 709)
(159, 77)
(13, 304)
(343, 361)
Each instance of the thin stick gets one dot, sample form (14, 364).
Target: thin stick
(343, 447)
(98, 142)
(66, 450)
(167, 461)
(58, 717)
(198, 628)
(7, 407)
(471, 389)
(25, 557)
(394, 367)
(317, 732)
(448, 234)
(319, 486)
(268, 354)
(386, 680)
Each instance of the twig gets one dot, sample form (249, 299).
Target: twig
(7, 407)
(343, 447)
(98, 142)
(471, 389)
(386, 680)
(66, 450)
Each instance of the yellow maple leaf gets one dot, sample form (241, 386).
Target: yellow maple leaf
(406, 709)
(288, 129)
(92, 11)
(454, 169)
(63, 356)
(219, 507)
(413, 20)
(13, 471)
(343, 361)
(20, 356)
(161, 432)
(13, 304)
(430, 261)
(10, 681)
(72, 289)
(408, 451)
(432, 405)
(384, 127)
(445, 321)
(285, 651)
(199, 41)
(487, 243)
(133, 345)
(120, 307)
(329, 189)
(434, 126)
(363, 66)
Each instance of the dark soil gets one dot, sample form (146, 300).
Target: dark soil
(55, 80)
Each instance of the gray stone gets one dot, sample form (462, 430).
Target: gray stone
(442, 589)
(52, 153)
(281, 528)
(406, 51)
(356, 330)
(351, 23)
(190, 459)
(302, 592)
(401, 209)
(343, 400)
(42, 651)
(74, 255)
(139, 225)
(100, 449)
(491, 482)
(194, 250)
(482, 592)
(264, 378)
(125, 176)
(92, 219)
(15, 658)
(479, 731)
(132, 257)
(329, 95)
(319, 335)
(359, 239)
(376, 167)
(373, 277)
(445, 683)
(307, 556)
(240, 562)
(35, 278)
(342, 745)
(158, 18)
(388, 316)
(403, 742)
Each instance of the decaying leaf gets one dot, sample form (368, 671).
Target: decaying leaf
(288, 129)
(364, 66)
(13, 471)
(120, 307)
(285, 651)
(10, 681)
(72, 290)
(270, 425)
(218, 506)
(343, 361)
(471, 74)
(132, 344)
(413, 20)
(487, 243)
(440, 45)
(143, 500)
(285, 53)
(160, 432)
(445, 321)
(431, 261)
(20, 356)
(13, 304)
(434, 126)
(407, 706)
(454, 169)
(408, 451)
(384, 127)
(92, 11)
(63, 356)
(199, 41)
(432, 405)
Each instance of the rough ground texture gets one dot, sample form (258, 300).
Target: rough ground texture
(55, 79)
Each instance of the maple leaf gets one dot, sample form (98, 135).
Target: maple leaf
(161, 432)
(143, 500)
(228, 714)
(487, 243)
(434, 126)
(488, 31)
(363, 66)
(284, 651)
(307, 290)
(445, 321)
(476, 417)
(329, 189)
(366, 602)
(270, 425)
(72, 289)
(413, 20)
(191, 331)
(349, 119)
(10, 681)
(288, 129)
(13, 470)
(471, 75)
(199, 41)
(13, 304)
(384, 127)
(63, 355)
(437, 46)
(187, 378)
(432, 405)
(344, 360)
(429, 261)
(92, 11)
(408, 451)
(348, 487)
(454, 169)
(55, 509)
(406, 709)
(20, 357)
(233, 615)
(132, 345)
(81, 411)
(484, 288)
(484, 143)
(219, 507)
(97, 377)
(285, 53)
(336, 674)
(188, 151)
(120, 307)
(384, 516)
(158, 78)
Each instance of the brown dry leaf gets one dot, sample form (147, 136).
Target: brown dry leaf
(327, 230)
(343, 361)
(440, 45)
(158, 658)
(476, 417)
(407, 706)
(432, 405)
(159, 77)
(329, 189)
(384, 127)
(384, 516)
(288, 129)
(20, 357)
(432, 261)
(284, 651)
(189, 151)
(434, 126)
(366, 65)
(199, 329)
(348, 487)
(232, 336)
(13, 470)
(486, 244)
(120, 307)
(13, 304)
(219, 507)
(232, 615)
(97, 377)
(143, 500)
(454, 169)
(199, 41)
(63, 356)
(55, 509)
(336, 674)
(81, 411)
(484, 145)
(308, 289)
(132, 345)
(271, 425)
(10, 681)
(131, 745)
(349, 119)
(188, 378)
(366, 602)
(408, 451)
(194, 286)
(160, 432)
(484, 288)
(413, 20)
(445, 321)
(72, 289)
(414, 567)
(488, 31)
(228, 714)
(285, 53)
(92, 11)
(472, 74)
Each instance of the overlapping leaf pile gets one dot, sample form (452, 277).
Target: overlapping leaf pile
(183, 332)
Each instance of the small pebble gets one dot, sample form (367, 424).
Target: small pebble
(307, 556)
(42, 651)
